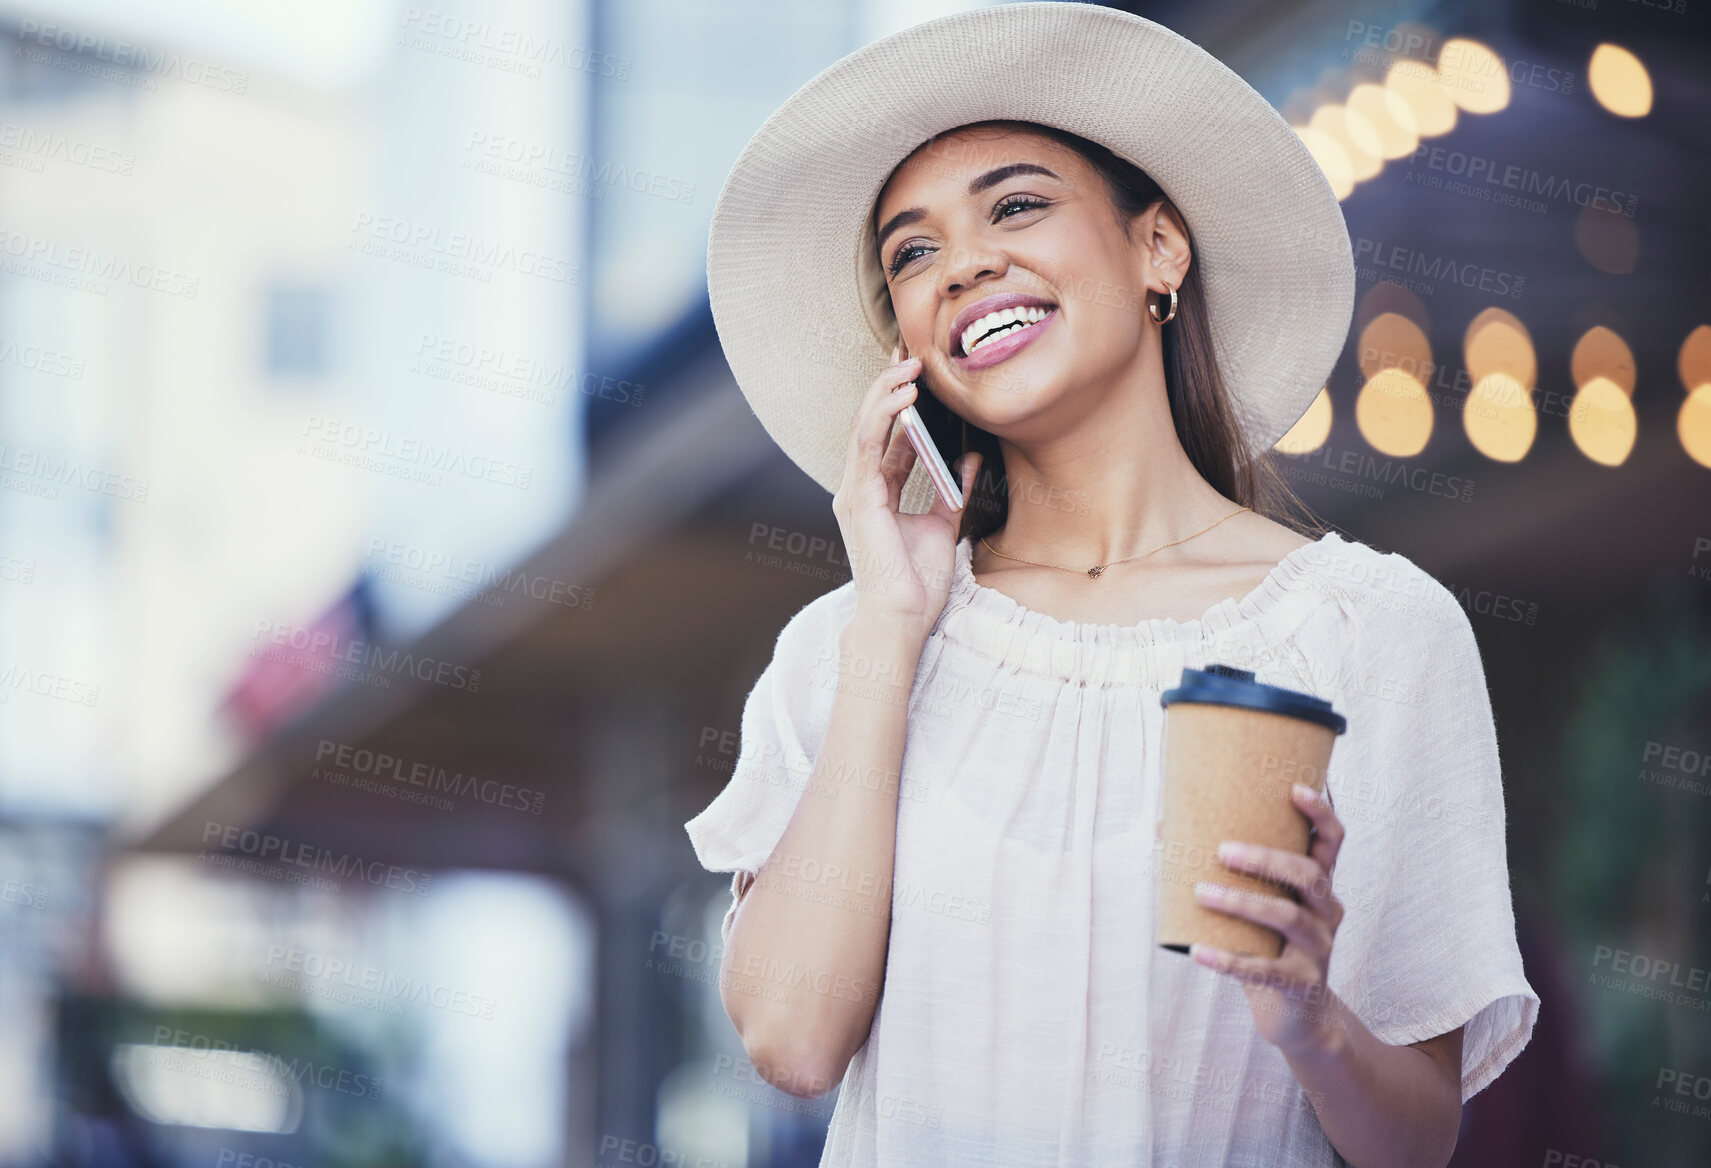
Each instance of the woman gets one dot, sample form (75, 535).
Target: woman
(941, 822)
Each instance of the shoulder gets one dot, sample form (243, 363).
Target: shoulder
(1388, 630)
(1384, 586)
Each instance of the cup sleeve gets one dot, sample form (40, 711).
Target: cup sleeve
(1427, 942)
(783, 725)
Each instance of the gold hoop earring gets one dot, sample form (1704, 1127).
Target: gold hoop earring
(1152, 308)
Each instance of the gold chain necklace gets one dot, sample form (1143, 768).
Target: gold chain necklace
(1094, 572)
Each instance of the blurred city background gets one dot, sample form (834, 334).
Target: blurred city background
(386, 551)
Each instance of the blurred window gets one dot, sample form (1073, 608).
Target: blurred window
(299, 330)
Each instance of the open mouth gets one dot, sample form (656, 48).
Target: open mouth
(996, 325)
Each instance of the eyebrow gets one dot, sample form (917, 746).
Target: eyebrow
(977, 184)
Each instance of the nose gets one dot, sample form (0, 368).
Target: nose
(971, 262)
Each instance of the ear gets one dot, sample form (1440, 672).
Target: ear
(1162, 244)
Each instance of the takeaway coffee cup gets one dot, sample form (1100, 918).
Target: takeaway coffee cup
(1232, 750)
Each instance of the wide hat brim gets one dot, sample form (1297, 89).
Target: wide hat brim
(797, 293)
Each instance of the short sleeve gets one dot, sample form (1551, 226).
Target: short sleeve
(783, 726)
(1427, 942)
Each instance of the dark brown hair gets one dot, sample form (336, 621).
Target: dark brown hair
(1199, 404)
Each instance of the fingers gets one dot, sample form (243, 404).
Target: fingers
(1287, 973)
(899, 459)
(879, 406)
(1302, 873)
(1301, 927)
(1327, 828)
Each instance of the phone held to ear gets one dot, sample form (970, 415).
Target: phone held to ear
(945, 482)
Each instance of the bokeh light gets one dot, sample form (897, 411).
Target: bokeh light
(1608, 240)
(1473, 76)
(1600, 352)
(1497, 342)
(1693, 425)
(1348, 129)
(1500, 419)
(1619, 81)
(1693, 359)
(1601, 420)
(1419, 84)
(1332, 158)
(1383, 123)
(1311, 429)
(1394, 413)
(1392, 341)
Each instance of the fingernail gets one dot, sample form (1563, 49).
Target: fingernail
(1305, 792)
(1232, 853)
(1211, 891)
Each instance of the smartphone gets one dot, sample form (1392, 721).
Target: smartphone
(945, 482)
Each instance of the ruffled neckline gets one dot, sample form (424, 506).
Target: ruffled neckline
(991, 622)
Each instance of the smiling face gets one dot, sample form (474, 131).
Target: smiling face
(1011, 277)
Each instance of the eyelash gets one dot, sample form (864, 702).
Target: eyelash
(1025, 201)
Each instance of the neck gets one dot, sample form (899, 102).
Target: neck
(1114, 484)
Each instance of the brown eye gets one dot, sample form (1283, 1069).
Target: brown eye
(902, 257)
(1022, 202)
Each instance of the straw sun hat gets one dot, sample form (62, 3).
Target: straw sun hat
(799, 298)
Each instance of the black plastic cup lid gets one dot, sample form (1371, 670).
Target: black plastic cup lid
(1225, 685)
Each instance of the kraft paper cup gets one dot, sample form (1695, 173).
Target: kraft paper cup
(1232, 750)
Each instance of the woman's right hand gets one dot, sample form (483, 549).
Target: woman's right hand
(901, 564)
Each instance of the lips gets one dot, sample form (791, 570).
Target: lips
(986, 306)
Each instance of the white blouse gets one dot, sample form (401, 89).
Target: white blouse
(1027, 1016)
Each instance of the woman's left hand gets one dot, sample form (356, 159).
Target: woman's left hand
(1292, 1004)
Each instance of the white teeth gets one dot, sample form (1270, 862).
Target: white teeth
(982, 330)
